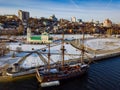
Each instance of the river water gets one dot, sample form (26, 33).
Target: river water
(102, 75)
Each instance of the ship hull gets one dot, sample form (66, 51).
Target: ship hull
(54, 81)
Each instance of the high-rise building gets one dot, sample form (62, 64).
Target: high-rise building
(23, 15)
(73, 19)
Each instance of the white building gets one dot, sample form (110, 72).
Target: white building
(73, 19)
(107, 23)
(44, 38)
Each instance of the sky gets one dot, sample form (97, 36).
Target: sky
(98, 10)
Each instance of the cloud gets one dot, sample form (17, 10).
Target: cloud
(72, 1)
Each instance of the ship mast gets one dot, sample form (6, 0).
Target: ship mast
(63, 49)
(82, 46)
(48, 56)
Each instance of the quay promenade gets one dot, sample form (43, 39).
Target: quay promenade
(96, 54)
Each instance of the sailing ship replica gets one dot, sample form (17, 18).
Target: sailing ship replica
(54, 73)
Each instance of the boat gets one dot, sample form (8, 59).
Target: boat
(53, 74)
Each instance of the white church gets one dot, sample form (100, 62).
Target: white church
(42, 39)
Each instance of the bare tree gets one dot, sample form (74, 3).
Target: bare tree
(3, 49)
(20, 29)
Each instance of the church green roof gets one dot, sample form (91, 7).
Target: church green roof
(35, 38)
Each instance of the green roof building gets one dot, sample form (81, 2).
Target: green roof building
(43, 38)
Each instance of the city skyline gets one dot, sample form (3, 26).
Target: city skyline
(81, 9)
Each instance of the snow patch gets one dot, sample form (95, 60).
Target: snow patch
(103, 44)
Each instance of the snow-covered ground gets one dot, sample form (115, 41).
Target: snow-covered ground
(8, 60)
(71, 36)
(69, 50)
(34, 59)
(103, 44)
(25, 47)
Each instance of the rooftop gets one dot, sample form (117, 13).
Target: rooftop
(35, 38)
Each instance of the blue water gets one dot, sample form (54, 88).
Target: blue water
(102, 75)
